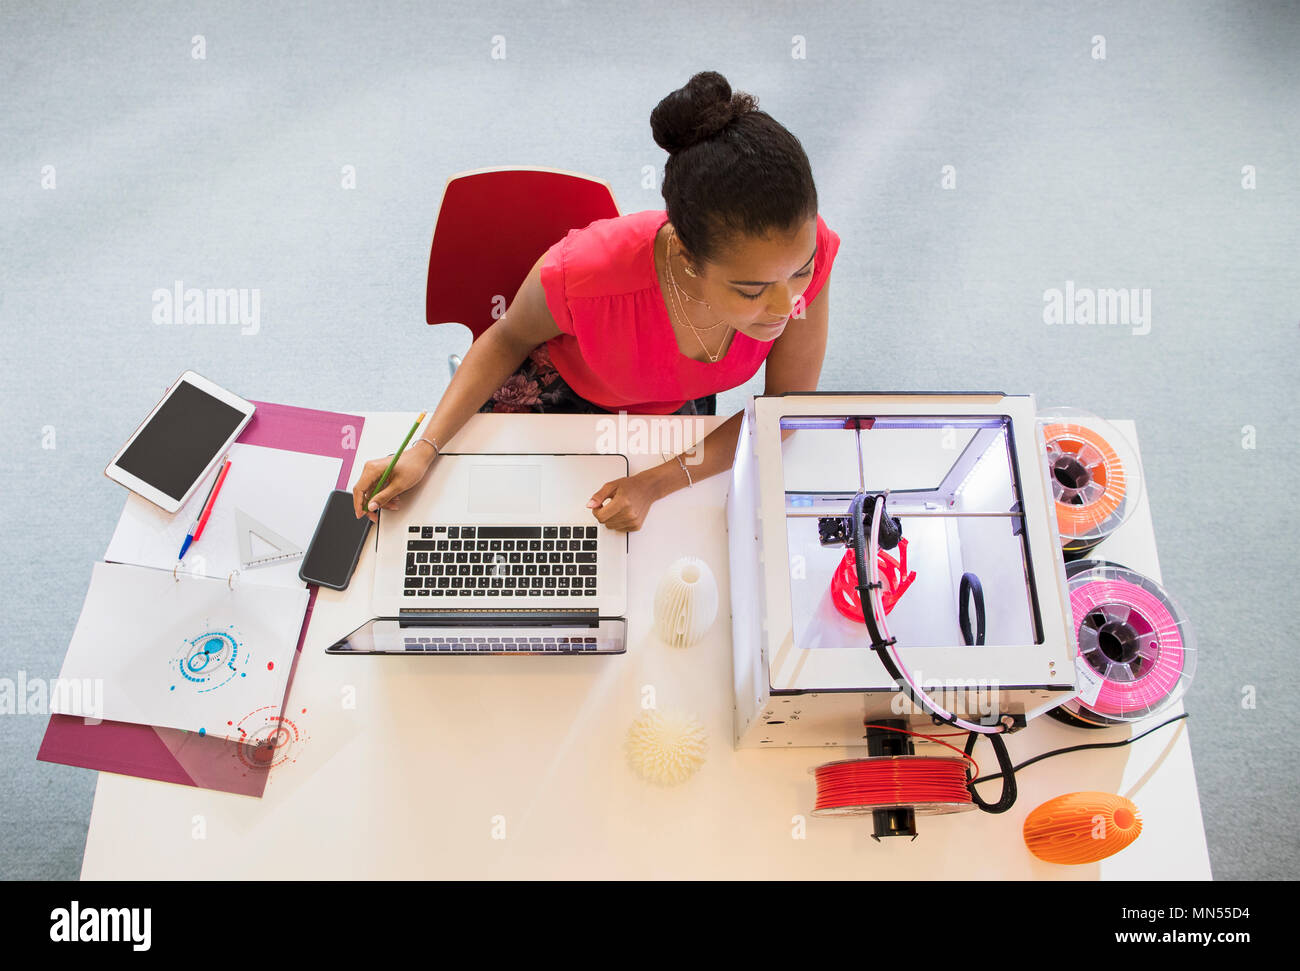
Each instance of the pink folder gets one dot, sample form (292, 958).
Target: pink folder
(172, 755)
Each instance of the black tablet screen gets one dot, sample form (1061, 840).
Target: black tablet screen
(180, 440)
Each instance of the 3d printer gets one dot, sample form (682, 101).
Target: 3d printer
(936, 510)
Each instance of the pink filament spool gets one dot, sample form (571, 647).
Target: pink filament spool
(1132, 637)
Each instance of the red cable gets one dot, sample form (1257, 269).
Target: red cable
(865, 783)
(904, 731)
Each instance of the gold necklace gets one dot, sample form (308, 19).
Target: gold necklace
(713, 356)
(681, 312)
(673, 238)
(672, 279)
(681, 309)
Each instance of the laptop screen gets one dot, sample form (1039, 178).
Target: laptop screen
(390, 636)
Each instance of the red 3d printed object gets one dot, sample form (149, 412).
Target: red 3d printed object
(894, 573)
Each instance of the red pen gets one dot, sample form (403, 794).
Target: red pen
(203, 520)
(189, 535)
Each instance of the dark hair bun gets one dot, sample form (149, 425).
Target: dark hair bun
(698, 111)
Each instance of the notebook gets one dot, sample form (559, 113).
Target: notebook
(194, 652)
(184, 757)
(201, 643)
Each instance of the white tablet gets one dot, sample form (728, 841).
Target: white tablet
(177, 445)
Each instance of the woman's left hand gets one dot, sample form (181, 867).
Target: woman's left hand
(629, 498)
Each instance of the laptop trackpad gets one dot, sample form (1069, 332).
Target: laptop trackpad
(505, 489)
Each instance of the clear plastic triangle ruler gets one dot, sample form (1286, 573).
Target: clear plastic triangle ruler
(246, 528)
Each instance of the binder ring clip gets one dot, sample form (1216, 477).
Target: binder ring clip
(174, 576)
(230, 579)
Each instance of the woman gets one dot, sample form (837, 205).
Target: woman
(655, 312)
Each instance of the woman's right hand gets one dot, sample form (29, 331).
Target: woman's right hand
(408, 471)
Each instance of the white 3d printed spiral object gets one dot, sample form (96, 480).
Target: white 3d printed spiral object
(686, 602)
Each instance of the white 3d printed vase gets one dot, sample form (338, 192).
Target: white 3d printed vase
(686, 602)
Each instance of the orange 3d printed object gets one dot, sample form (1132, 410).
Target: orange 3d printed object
(1082, 827)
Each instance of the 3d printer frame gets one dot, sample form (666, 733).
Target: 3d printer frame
(820, 691)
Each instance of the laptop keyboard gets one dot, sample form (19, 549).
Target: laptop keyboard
(506, 562)
(511, 645)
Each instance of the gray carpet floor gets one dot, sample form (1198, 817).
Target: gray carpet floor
(127, 164)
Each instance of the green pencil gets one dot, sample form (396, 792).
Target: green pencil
(383, 479)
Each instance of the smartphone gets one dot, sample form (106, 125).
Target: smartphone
(336, 545)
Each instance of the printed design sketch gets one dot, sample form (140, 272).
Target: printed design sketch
(211, 659)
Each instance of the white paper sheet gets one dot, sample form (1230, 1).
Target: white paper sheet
(285, 491)
(189, 653)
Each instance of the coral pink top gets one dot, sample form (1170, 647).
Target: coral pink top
(617, 348)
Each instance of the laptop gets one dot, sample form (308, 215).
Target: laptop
(499, 554)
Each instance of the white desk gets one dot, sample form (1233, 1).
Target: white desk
(439, 758)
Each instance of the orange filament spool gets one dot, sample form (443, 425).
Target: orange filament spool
(1089, 483)
(1081, 827)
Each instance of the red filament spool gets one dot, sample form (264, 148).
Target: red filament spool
(928, 785)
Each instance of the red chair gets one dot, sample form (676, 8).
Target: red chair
(492, 226)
